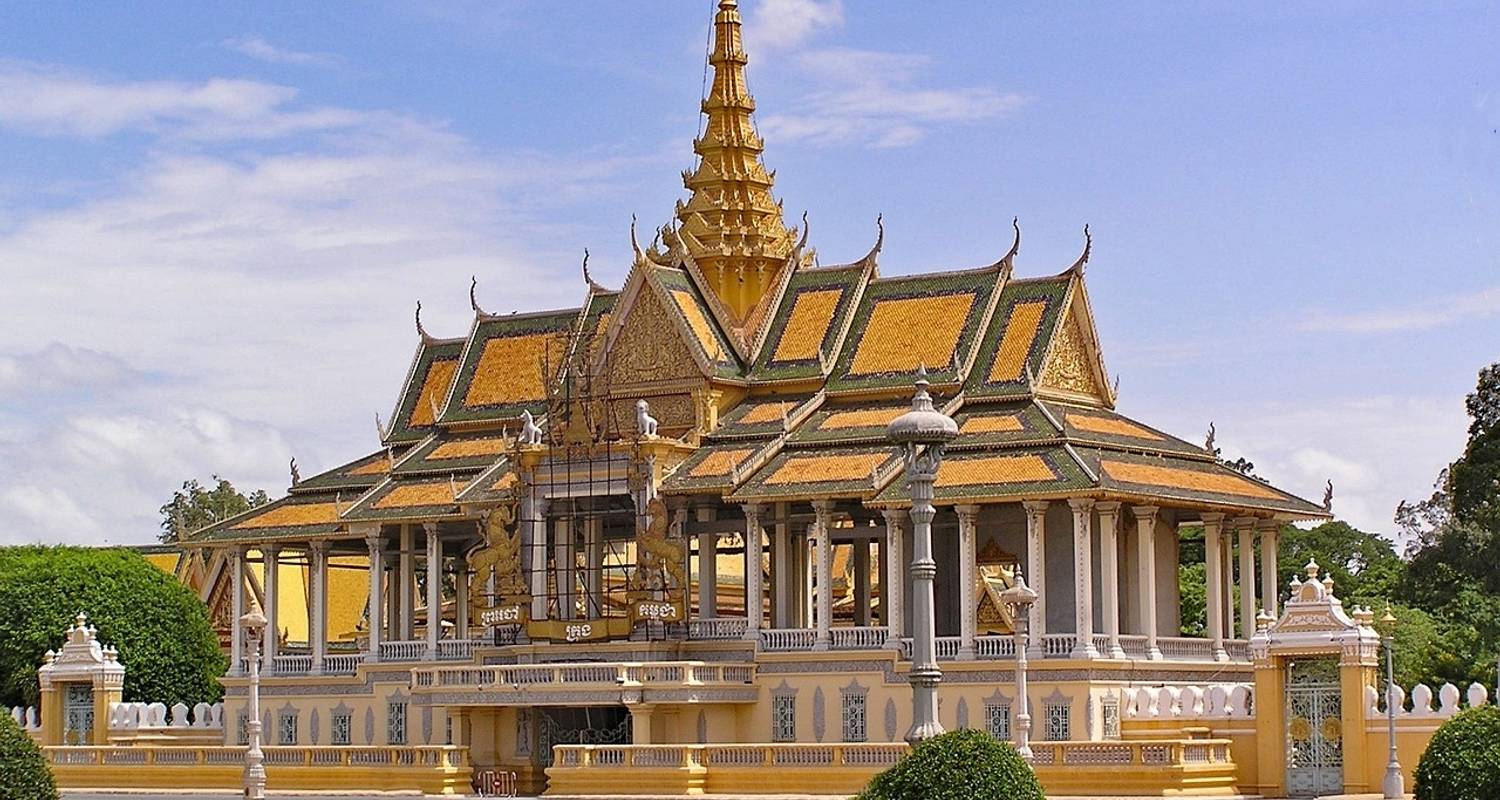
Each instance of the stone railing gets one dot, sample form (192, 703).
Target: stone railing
(717, 629)
(995, 647)
(275, 756)
(403, 651)
(532, 676)
(29, 718)
(628, 756)
(1138, 752)
(1058, 645)
(1448, 697)
(342, 664)
(291, 665)
(145, 716)
(457, 649)
(782, 639)
(1217, 701)
(859, 638)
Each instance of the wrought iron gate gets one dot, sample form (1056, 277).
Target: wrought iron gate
(78, 713)
(588, 725)
(1314, 728)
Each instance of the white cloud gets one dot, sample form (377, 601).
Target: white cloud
(1476, 305)
(870, 97)
(261, 50)
(60, 368)
(775, 24)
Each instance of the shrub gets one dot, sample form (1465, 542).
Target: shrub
(958, 765)
(169, 649)
(1462, 762)
(24, 774)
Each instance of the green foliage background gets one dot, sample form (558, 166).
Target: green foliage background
(964, 764)
(166, 642)
(24, 774)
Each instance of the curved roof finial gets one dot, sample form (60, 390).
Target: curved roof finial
(380, 428)
(587, 278)
(1328, 497)
(1088, 249)
(802, 242)
(473, 299)
(635, 246)
(421, 331)
(1007, 262)
(871, 258)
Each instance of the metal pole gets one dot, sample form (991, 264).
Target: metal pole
(255, 771)
(1394, 785)
(925, 674)
(1023, 705)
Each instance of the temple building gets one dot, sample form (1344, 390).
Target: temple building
(672, 515)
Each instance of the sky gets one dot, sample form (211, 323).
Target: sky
(215, 220)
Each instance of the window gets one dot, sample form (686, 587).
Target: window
(286, 729)
(395, 727)
(1111, 717)
(784, 718)
(447, 730)
(243, 726)
(1059, 727)
(997, 720)
(854, 717)
(342, 727)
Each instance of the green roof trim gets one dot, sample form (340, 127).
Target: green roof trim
(1067, 476)
(845, 279)
(1251, 493)
(1053, 292)
(376, 505)
(989, 425)
(356, 476)
(304, 516)
(452, 453)
(401, 431)
(1088, 426)
(766, 483)
(491, 328)
(765, 410)
(728, 458)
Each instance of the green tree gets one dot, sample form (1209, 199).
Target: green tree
(169, 649)
(958, 765)
(1364, 566)
(193, 507)
(1474, 479)
(24, 774)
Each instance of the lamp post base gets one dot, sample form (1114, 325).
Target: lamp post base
(1394, 785)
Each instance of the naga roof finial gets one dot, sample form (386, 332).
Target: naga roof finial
(872, 258)
(1007, 262)
(1208, 443)
(587, 278)
(473, 299)
(421, 331)
(296, 473)
(1088, 249)
(380, 428)
(635, 245)
(802, 242)
(1328, 497)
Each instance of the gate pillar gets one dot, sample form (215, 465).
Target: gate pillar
(96, 674)
(1313, 624)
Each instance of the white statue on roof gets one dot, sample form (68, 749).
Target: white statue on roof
(644, 422)
(531, 433)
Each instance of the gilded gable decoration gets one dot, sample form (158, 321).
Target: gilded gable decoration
(1069, 366)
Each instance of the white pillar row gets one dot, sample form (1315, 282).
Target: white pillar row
(968, 579)
(1214, 602)
(708, 567)
(407, 564)
(460, 596)
(1270, 587)
(534, 516)
(1145, 542)
(1246, 527)
(1109, 565)
(317, 606)
(237, 608)
(1083, 578)
(434, 588)
(564, 565)
(781, 571)
(392, 583)
(1227, 564)
(822, 528)
(1036, 572)
(271, 586)
(755, 594)
(862, 593)
(893, 580)
(377, 575)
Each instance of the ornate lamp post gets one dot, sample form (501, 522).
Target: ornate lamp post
(921, 434)
(1019, 599)
(255, 770)
(1394, 785)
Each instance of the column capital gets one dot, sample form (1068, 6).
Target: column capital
(1268, 526)
(894, 516)
(1036, 506)
(967, 513)
(1145, 512)
(1080, 504)
(1241, 523)
(823, 509)
(430, 528)
(1211, 518)
(270, 550)
(755, 510)
(1107, 507)
(319, 546)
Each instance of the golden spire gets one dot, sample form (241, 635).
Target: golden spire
(731, 225)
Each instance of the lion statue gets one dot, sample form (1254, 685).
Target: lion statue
(500, 552)
(656, 554)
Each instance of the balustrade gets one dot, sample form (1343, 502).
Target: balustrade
(788, 639)
(343, 664)
(859, 638)
(291, 665)
(275, 756)
(403, 651)
(717, 629)
(611, 674)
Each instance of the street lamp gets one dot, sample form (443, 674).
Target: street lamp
(255, 771)
(1018, 598)
(1394, 785)
(920, 435)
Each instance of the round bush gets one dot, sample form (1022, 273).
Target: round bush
(24, 774)
(1462, 762)
(958, 765)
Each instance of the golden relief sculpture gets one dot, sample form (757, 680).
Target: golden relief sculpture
(1069, 367)
(648, 347)
(659, 555)
(500, 553)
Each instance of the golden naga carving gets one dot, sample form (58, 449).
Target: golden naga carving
(501, 552)
(659, 555)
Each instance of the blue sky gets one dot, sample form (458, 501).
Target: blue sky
(214, 220)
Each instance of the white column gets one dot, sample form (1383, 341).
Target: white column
(1214, 572)
(1145, 543)
(781, 572)
(434, 588)
(862, 593)
(1246, 526)
(377, 575)
(891, 592)
(1109, 566)
(392, 584)
(317, 607)
(708, 568)
(1270, 532)
(1036, 572)
(407, 562)
(968, 579)
(1228, 566)
(755, 594)
(564, 565)
(534, 517)
(271, 586)
(461, 596)
(1083, 578)
(822, 528)
(236, 608)
(593, 534)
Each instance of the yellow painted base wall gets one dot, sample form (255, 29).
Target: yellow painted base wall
(428, 780)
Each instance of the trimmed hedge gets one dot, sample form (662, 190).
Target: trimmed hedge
(24, 774)
(1462, 761)
(958, 765)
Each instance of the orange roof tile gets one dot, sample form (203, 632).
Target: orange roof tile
(861, 418)
(417, 494)
(379, 466)
(510, 371)
(1107, 425)
(1020, 332)
(699, 323)
(434, 390)
(718, 463)
(905, 333)
(1000, 423)
(292, 515)
(994, 469)
(1216, 482)
(807, 325)
(819, 468)
(468, 448)
(766, 412)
